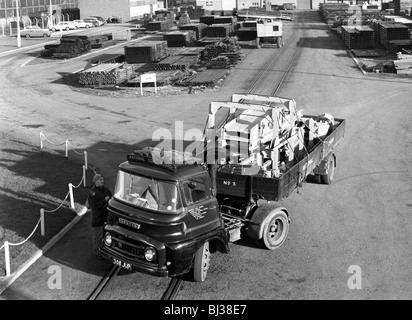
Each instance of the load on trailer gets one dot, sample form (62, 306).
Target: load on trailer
(268, 28)
(171, 209)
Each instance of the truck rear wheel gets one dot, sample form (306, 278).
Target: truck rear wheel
(328, 178)
(280, 42)
(269, 226)
(201, 263)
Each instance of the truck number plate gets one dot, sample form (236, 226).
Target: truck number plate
(122, 264)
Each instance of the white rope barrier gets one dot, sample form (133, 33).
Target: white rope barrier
(41, 220)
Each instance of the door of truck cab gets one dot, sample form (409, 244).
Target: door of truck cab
(201, 205)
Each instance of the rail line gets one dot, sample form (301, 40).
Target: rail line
(280, 54)
(104, 283)
(173, 288)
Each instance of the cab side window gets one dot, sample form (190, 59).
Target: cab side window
(195, 190)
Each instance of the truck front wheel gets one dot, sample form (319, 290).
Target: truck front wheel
(201, 263)
(269, 226)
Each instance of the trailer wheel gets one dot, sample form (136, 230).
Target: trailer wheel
(280, 42)
(201, 263)
(269, 226)
(328, 178)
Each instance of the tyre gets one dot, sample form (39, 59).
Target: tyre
(54, 29)
(269, 226)
(87, 26)
(201, 263)
(67, 29)
(280, 42)
(45, 35)
(328, 178)
(27, 36)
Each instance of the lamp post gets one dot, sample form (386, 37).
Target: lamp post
(51, 15)
(18, 24)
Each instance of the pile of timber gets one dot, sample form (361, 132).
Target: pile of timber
(227, 45)
(207, 19)
(386, 31)
(159, 25)
(404, 64)
(70, 47)
(207, 78)
(219, 30)
(146, 51)
(163, 78)
(106, 73)
(101, 41)
(181, 38)
(220, 62)
(359, 37)
(177, 62)
(399, 45)
(197, 27)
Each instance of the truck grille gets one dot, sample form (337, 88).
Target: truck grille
(128, 249)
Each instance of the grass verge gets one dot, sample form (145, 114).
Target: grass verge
(32, 179)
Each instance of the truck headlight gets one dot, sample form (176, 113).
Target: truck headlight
(108, 240)
(149, 253)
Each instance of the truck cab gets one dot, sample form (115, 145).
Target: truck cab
(163, 218)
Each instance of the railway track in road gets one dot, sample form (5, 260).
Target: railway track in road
(288, 52)
(173, 288)
(108, 278)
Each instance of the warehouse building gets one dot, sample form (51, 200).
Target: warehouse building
(38, 11)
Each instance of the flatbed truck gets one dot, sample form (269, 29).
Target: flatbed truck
(172, 209)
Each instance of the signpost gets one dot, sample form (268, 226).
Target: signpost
(146, 78)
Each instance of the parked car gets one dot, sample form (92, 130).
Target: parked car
(94, 21)
(64, 25)
(83, 24)
(35, 32)
(114, 20)
(101, 19)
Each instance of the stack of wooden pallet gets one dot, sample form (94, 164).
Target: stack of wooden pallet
(101, 41)
(182, 38)
(404, 64)
(106, 73)
(146, 51)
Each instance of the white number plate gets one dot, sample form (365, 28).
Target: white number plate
(122, 264)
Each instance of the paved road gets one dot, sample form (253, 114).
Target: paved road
(360, 224)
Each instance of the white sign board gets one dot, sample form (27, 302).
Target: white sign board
(146, 78)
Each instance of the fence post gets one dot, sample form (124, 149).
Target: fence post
(67, 148)
(85, 159)
(84, 176)
(41, 140)
(71, 196)
(7, 258)
(42, 224)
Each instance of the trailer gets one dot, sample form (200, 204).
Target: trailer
(172, 209)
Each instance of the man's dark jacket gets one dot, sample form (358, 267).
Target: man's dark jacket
(98, 205)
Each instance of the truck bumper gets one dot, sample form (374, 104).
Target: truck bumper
(127, 249)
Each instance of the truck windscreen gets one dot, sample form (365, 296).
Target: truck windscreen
(148, 193)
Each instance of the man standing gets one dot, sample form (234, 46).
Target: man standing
(98, 199)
